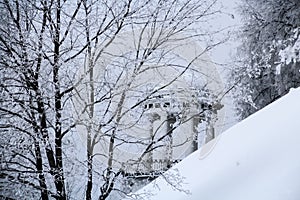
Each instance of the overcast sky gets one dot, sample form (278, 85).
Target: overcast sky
(231, 19)
(223, 54)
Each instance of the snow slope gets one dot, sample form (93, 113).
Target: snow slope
(259, 158)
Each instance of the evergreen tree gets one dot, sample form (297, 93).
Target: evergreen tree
(265, 72)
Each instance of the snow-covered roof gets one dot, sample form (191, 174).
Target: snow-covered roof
(256, 159)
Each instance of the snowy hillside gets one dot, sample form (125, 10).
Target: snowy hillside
(256, 159)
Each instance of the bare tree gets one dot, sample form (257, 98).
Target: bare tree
(35, 48)
(135, 40)
(88, 64)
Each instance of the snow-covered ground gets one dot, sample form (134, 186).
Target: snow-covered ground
(256, 159)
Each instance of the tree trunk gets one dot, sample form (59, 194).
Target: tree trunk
(39, 166)
(59, 174)
(89, 186)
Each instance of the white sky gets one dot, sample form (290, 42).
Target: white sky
(230, 19)
(223, 54)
